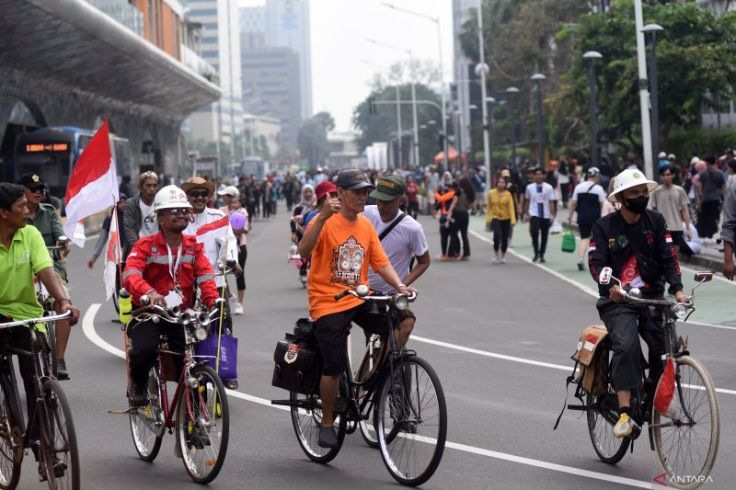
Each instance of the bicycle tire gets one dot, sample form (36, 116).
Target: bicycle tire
(306, 417)
(601, 420)
(408, 420)
(688, 393)
(197, 404)
(147, 434)
(11, 439)
(57, 430)
(53, 358)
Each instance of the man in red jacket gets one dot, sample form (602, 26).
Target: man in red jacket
(165, 267)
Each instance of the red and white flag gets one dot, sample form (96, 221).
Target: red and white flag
(664, 399)
(93, 185)
(112, 255)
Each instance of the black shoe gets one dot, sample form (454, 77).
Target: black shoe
(541, 259)
(138, 395)
(580, 266)
(327, 437)
(535, 259)
(61, 372)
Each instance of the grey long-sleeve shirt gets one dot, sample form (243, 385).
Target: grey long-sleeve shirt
(728, 229)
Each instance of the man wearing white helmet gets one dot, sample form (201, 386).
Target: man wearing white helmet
(635, 243)
(166, 267)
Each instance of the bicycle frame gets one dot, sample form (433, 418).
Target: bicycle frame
(169, 407)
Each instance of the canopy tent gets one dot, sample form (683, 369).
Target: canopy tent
(451, 156)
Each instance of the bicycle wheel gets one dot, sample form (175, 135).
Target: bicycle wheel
(59, 452)
(52, 357)
(368, 431)
(203, 424)
(687, 443)
(147, 423)
(11, 440)
(601, 419)
(411, 422)
(306, 417)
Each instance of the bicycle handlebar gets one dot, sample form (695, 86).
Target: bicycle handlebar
(33, 321)
(377, 298)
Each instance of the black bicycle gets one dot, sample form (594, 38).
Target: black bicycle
(50, 421)
(394, 397)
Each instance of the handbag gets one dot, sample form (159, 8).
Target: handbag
(568, 242)
(228, 365)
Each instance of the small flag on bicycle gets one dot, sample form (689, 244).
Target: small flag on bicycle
(664, 399)
(112, 255)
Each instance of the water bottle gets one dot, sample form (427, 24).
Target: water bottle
(125, 306)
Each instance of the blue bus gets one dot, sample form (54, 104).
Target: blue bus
(52, 153)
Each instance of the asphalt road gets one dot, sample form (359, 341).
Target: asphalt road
(500, 338)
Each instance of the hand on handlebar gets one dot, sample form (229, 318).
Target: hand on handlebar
(616, 294)
(681, 297)
(406, 291)
(65, 306)
(157, 299)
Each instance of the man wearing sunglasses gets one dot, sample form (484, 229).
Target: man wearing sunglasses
(44, 217)
(166, 267)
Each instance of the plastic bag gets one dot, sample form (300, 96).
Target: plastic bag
(568, 242)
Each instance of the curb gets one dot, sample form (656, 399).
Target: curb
(702, 260)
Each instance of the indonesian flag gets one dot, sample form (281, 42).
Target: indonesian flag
(112, 255)
(213, 231)
(93, 185)
(664, 399)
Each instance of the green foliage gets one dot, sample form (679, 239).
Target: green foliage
(382, 126)
(685, 143)
(312, 138)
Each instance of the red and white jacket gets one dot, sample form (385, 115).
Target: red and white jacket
(147, 269)
(212, 229)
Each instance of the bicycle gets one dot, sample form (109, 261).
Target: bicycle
(395, 388)
(47, 302)
(56, 447)
(674, 437)
(198, 412)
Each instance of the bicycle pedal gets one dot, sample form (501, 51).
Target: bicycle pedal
(121, 411)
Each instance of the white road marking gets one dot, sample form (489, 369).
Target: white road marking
(88, 327)
(588, 290)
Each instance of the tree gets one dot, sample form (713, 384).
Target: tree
(382, 125)
(696, 68)
(312, 138)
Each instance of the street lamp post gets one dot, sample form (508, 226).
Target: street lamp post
(513, 91)
(591, 56)
(646, 129)
(538, 78)
(489, 130)
(652, 30)
(482, 70)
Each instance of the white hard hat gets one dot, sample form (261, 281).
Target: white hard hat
(631, 177)
(170, 197)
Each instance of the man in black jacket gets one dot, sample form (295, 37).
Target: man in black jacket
(138, 217)
(635, 243)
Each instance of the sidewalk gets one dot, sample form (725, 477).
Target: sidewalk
(713, 297)
(709, 258)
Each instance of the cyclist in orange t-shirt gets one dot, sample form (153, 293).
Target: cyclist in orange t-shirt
(342, 243)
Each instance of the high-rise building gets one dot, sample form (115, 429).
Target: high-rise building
(271, 87)
(221, 122)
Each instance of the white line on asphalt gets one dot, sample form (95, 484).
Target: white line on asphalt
(88, 327)
(576, 284)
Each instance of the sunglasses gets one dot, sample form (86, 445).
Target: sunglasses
(196, 194)
(38, 189)
(178, 211)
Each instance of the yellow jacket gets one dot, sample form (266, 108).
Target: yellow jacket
(500, 206)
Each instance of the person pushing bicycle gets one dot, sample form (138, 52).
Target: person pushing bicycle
(341, 243)
(166, 267)
(635, 243)
(22, 254)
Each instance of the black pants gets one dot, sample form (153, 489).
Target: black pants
(625, 322)
(708, 222)
(537, 227)
(458, 231)
(501, 229)
(242, 258)
(20, 337)
(444, 235)
(144, 339)
(413, 208)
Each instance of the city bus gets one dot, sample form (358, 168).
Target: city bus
(52, 153)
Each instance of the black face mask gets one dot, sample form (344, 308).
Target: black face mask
(637, 205)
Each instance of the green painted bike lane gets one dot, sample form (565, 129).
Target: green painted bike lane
(715, 301)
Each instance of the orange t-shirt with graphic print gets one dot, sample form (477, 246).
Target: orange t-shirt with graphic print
(340, 261)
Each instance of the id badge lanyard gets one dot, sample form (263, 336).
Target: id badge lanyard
(174, 267)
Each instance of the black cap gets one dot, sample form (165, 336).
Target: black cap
(31, 181)
(352, 178)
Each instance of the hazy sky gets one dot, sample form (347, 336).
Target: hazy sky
(339, 29)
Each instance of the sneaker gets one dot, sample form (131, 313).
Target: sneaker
(536, 258)
(61, 372)
(327, 437)
(503, 260)
(580, 266)
(495, 260)
(625, 426)
(238, 310)
(541, 259)
(138, 395)
(231, 384)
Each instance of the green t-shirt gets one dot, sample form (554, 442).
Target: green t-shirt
(26, 256)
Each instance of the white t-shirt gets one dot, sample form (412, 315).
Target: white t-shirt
(149, 223)
(403, 243)
(585, 187)
(540, 199)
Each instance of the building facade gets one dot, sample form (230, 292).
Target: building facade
(262, 135)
